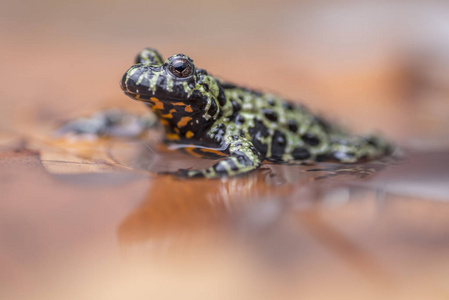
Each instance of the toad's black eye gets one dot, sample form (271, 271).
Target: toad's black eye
(181, 67)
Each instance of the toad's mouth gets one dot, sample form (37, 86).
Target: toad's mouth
(153, 99)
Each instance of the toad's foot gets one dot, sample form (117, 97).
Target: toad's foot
(243, 159)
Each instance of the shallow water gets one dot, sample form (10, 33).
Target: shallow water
(93, 217)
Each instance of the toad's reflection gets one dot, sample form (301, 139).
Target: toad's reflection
(260, 211)
(176, 207)
(181, 206)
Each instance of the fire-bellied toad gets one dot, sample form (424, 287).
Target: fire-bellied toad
(208, 116)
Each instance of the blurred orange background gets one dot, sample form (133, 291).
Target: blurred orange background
(380, 65)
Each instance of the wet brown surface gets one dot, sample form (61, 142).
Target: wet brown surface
(90, 219)
(284, 231)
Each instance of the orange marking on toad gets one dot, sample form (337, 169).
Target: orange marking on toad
(205, 150)
(172, 136)
(189, 134)
(183, 122)
(157, 104)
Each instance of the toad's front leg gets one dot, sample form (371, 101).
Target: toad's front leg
(243, 158)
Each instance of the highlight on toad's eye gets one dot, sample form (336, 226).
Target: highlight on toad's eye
(181, 68)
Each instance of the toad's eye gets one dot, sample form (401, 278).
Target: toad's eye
(181, 68)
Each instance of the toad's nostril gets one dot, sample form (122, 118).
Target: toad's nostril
(135, 80)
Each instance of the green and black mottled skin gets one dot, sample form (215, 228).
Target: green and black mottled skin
(209, 117)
